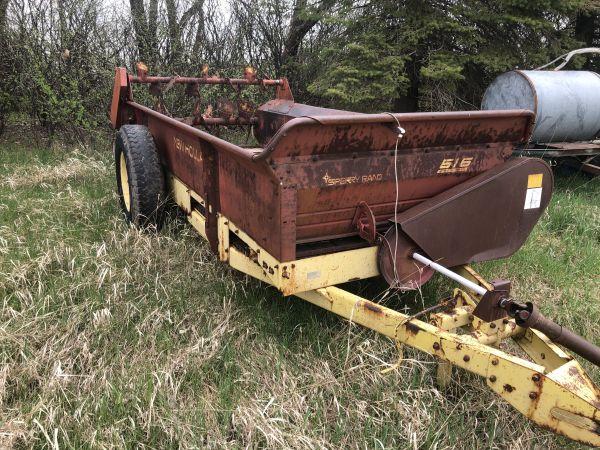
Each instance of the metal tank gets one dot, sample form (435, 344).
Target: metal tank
(566, 103)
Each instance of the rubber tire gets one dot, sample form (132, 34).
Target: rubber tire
(147, 194)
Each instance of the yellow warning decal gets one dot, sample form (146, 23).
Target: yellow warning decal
(533, 197)
(535, 180)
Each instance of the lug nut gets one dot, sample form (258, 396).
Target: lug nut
(436, 346)
(466, 358)
(536, 377)
(533, 395)
(492, 325)
(494, 362)
(493, 378)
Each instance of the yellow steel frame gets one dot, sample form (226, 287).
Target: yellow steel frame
(552, 389)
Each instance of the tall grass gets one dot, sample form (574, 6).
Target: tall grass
(114, 338)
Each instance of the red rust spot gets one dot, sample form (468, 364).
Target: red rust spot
(412, 328)
(373, 308)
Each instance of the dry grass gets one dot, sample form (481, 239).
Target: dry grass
(114, 338)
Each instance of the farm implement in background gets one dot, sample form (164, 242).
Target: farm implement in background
(332, 196)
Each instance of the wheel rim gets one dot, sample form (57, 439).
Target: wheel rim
(124, 182)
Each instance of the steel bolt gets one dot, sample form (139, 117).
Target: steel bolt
(492, 378)
(436, 346)
(536, 377)
(533, 395)
(494, 362)
(466, 358)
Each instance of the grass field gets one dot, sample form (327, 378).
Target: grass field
(114, 338)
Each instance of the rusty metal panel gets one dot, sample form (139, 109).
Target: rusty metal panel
(180, 153)
(348, 133)
(252, 199)
(330, 188)
(288, 211)
(211, 177)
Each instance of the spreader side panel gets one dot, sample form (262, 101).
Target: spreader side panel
(329, 189)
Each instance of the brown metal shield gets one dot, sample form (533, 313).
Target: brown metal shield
(485, 218)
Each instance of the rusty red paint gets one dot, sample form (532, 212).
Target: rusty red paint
(120, 93)
(364, 222)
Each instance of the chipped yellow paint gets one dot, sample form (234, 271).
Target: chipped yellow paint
(198, 221)
(223, 233)
(289, 277)
(180, 193)
(240, 262)
(541, 350)
(310, 273)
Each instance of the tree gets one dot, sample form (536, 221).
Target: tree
(587, 31)
(140, 26)
(392, 55)
(450, 49)
(304, 18)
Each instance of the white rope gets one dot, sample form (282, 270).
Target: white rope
(401, 132)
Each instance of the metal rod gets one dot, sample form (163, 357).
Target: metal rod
(192, 80)
(219, 144)
(447, 272)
